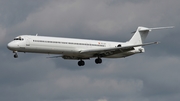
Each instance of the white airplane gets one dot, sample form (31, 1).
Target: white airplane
(81, 49)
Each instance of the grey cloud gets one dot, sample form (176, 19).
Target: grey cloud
(122, 81)
(152, 75)
(13, 12)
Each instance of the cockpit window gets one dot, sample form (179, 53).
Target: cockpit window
(18, 38)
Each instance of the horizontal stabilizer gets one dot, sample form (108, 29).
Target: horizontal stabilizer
(162, 27)
(141, 29)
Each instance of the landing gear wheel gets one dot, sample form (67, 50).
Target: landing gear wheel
(98, 61)
(81, 63)
(15, 56)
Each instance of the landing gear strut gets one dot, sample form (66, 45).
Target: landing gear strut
(81, 63)
(98, 60)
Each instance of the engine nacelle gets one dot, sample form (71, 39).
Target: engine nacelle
(141, 50)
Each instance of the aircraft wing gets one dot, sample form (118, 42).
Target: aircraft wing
(103, 52)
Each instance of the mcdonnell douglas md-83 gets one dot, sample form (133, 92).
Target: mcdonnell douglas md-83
(81, 49)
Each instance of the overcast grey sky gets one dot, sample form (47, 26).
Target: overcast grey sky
(151, 76)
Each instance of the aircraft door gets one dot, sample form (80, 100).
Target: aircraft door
(27, 42)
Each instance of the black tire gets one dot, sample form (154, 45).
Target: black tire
(81, 63)
(98, 60)
(15, 56)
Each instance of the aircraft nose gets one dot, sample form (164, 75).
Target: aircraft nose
(11, 46)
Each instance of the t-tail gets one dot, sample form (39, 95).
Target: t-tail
(141, 34)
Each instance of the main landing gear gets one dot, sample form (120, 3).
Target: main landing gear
(15, 55)
(81, 63)
(97, 61)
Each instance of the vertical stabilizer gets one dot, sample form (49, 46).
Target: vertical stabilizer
(140, 35)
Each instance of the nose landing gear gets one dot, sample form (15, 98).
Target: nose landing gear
(15, 54)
